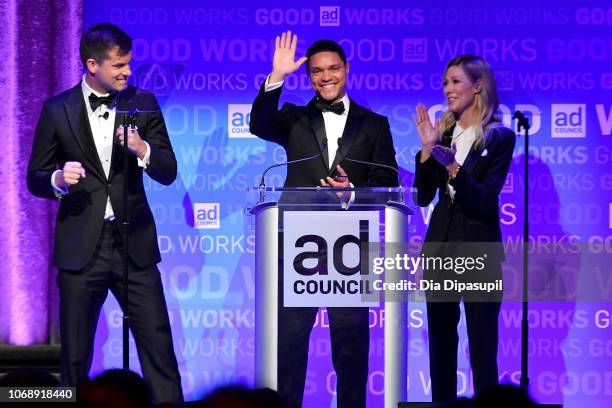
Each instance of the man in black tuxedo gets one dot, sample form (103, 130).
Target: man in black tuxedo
(304, 131)
(77, 158)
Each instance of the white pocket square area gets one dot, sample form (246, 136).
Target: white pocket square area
(484, 153)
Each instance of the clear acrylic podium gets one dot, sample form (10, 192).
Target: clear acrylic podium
(269, 207)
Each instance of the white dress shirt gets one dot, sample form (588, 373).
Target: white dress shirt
(463, 139)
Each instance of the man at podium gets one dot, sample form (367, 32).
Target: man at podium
(329, 129)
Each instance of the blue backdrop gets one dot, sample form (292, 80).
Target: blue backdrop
(206, 61)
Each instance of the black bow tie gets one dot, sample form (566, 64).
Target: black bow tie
(325, 106)
(96, 101)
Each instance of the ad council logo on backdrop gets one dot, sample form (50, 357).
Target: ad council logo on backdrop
(329, 16)
(238, 116)
(207, 215)
(568, 120)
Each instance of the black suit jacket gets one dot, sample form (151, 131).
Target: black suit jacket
(63, 134)
(473, 216)
(301, 131)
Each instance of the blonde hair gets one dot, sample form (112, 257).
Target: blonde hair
(486, 101)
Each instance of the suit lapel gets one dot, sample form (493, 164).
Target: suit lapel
(315, 117)
(474, 154)
(76, 112)
(349, 135)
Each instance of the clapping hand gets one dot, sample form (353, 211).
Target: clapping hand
(341, 180)
(444, 155)
(429, 135)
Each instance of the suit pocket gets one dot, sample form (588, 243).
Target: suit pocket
(76, 200)
(138, 205)
(140, 214)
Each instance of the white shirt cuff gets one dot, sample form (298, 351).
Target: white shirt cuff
(270, 87)
(346, 206)
(144, 163)
(59, 191)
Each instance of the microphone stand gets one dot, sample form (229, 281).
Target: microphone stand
(523, 123)
(262, 182)
(385, 166)
(129, 122)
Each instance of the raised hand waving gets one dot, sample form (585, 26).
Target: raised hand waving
(284, 62)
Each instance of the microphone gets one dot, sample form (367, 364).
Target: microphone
(522, 121)
(372, 164)
(262, 183)
(105, 116)
(518, 115)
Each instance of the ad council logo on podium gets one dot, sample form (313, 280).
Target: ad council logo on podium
(414, 50)
(326, 257)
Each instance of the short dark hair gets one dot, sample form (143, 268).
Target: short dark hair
(99, 39)
(324, 45)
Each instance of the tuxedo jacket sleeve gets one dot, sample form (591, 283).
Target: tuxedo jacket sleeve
(63, 134)
(267, 121)
(162, 164)
(429, 178)
(43, 158)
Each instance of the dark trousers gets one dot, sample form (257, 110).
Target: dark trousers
(82, 295)
(350, 340)
(482, 330)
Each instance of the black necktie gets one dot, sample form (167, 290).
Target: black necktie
(96, 101)
(325, 106)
